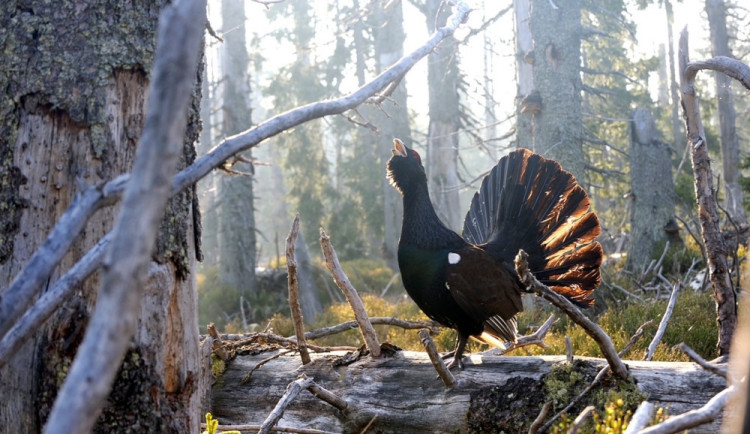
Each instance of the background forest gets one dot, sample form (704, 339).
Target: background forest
(614, 123)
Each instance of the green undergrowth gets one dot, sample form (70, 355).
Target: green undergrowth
(693, 322)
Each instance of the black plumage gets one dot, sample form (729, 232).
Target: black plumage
(468, 283)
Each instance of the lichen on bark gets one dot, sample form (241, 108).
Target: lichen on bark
(57, 56)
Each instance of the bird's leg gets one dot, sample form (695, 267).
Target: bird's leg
(459, 351)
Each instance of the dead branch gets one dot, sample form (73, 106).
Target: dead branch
(581, 419)
(719, 370)
(342, 281)
(115, 316)
(294, 388)
(49, 302)
(256, 428)
(329, 397)
(409, 325)
(726, 65)
(216, 343)
(270, 337)
(534, 428)
(536, 338)
(641, 418)
(716, 250)
(14, 303)
(443, 372)
(690, 419)
(26, 285)
(249, 375)
(294, 306)
(663, 324)
(591, 328)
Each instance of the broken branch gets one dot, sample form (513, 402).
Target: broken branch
(342, 281)
(294, 388)
(591, 328)
(294, 306)
(443, 372)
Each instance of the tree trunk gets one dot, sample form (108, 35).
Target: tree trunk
(525, 72)
(392, 118)
(442, 138)
(406, 395)
(558, 126)
(237, 216)
(677, 130)
(652, 189)
(71, 114)
(730, 148)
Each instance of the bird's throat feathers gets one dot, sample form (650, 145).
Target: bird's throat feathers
(422, 227)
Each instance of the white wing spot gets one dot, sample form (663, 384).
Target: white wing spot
(453, 258)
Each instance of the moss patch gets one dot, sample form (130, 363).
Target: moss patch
(512, 407)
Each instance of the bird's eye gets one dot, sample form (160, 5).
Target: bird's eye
(415, 154)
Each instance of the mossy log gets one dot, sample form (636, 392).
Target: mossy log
(403, 393)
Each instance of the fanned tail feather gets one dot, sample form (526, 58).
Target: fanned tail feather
(529, 202)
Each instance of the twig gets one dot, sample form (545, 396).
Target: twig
(294, 388)
(663, 323)
(693, 418)
(255, 428)
(710, 367)
(593, 330)
(339, 328)
(369, 424)
(443, 372)
(534, 428)
(294, 305)
(641, 418)
(287, 341)
(342, 281)
(246, 378)
(216, 343)
(409, 325)
(580, 419)
(568, 349)
(536, 338)
(329, 397)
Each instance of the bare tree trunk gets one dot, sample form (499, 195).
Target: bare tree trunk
(652, 188)
(69, 120)
(558, 126)
(442, 137)
(677, 130)
(390, 116)
(308, 290)
(207, 186)
(730, 148)
(525, 74)
(237, 218)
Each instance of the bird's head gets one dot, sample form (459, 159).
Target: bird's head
(405, 170)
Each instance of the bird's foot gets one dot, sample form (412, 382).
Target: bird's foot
(457, 361)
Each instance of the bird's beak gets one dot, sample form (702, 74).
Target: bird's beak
(398, 148)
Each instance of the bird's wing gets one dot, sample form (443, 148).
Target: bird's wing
(485, 289)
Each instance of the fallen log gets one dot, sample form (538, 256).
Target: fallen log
(402, 393)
